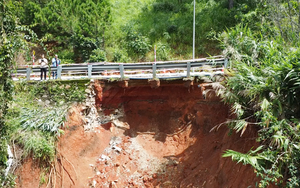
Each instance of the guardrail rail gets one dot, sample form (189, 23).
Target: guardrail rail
(103, 70)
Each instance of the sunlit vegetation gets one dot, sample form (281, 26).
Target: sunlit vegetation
(127, 31)
(260, 37)
(264, 90)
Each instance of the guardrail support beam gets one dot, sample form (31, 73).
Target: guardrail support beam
(59, 69)
(154, 70)
(90, 67)
(188, 69)
(121, 68)
(28, 71)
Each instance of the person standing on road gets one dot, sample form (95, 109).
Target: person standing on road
(55, 63)
(43, 65)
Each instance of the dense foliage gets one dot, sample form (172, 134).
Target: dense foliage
(264, 90)
(127, 30)
(36, 116)
(12, 40)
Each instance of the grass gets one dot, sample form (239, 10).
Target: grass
(37, 114)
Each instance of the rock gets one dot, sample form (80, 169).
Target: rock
(104, 158)
(118, 149)
(94, 183)
(145, 178)
(176, 138)
(120, 124)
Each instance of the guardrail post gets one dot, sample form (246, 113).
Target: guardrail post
(188, 69)
(154, 70)
(28, 70)
(90, 71)
(225, 63)
(121, 68)
(59, 69)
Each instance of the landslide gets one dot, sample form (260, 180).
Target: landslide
(138, 136)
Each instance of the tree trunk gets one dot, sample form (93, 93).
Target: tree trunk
(230, 2)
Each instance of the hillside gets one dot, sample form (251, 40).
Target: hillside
(145, 137)
(126, 31)
(260, 38)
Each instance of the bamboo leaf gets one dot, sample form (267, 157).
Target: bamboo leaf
(264, 105)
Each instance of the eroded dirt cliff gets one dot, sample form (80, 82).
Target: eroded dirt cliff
(147, 137)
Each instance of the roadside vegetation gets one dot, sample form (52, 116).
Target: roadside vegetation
(260, 37)
(264, 90)
(36, 116)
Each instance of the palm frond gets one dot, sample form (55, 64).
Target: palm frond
(237, 109)
(240, 125)
(47, 119)
(251, 158)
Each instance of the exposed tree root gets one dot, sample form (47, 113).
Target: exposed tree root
(49, 179)
(71, 165)
(68, 174)
(64, 169)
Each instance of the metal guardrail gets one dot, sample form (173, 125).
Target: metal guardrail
(123, 70)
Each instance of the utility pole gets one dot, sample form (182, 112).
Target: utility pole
(194, 31)
(154, 53)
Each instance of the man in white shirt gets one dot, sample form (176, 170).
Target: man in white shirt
(43, 65)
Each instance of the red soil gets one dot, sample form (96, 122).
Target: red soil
(169, 142)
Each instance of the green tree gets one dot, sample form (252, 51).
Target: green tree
(78, 25)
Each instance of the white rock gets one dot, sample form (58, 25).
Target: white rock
(118, 149)
(121, 124)
(103, 158)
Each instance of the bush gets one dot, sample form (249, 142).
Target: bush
(32, 119)
(263, 86)
(162, 51)
(66, 56)
(120, 56)
(137, 44)
(38, 144)
(97, 55)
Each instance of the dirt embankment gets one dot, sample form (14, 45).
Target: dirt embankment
(148, 137)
